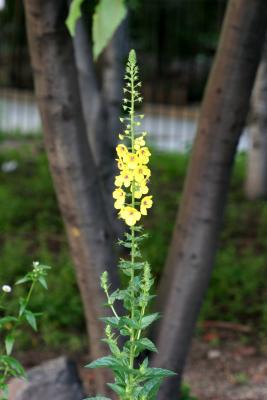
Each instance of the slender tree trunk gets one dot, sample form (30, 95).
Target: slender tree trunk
(101, 103)
(256, 183)
(71, 161)
(191, 255)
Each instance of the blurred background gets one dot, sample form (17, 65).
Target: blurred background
(176, 43)
(175, 47)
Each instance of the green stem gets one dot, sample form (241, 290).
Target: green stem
(132, 336)
(111, 305)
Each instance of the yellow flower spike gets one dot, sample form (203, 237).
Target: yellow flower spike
(143, 155)
(131, 160)
(146, 203)
(130, 215)
(121, 150)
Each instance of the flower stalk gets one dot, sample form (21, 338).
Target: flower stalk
(134, 379)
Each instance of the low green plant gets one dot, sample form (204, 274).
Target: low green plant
(133, 380)
(10, 325)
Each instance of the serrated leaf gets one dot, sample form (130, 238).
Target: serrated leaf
(159, 373)
(147, 344)
(30, 317)
(103, 362)
(74, 14)
(107, 17)
(149, 319)
(9, 343)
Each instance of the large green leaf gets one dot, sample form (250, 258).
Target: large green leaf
(107, 17)
(74, 14)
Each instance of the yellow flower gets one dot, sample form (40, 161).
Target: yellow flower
(140, 189)
(130, 215)
(139, 142)
(141, 172)
(118, 180)
(131, 160)
(122, 151)
(127, 177)
(119, 203)
(146, 203)
(120, 164)
(119, 195)
(144, 155)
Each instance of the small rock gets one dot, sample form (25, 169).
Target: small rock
(213, 354)
(53, 380)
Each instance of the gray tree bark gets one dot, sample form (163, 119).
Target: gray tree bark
(101, 93)
(256, 183)
(192, 251)
(71, 161)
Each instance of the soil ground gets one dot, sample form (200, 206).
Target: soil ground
(228, 371)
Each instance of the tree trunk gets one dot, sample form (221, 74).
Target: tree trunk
(101, 103)
(192, 252)
(71, 161)
(256, 184)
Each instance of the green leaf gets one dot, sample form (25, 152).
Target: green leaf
(15, 368)
(30, 317)
(117, 388)
(74, 14)
(112, 321)
(104, 362)
(150, 389)
(23, 280)
(159, 373)
(9, 343)
(146, 344)
(107, 17)
(149, 319)
(42, 282)
(23, 304)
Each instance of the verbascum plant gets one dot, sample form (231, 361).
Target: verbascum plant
(10, 326)
(134, 379)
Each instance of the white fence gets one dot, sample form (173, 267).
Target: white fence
(170, 128)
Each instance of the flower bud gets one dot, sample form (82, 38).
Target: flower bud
(6, 288)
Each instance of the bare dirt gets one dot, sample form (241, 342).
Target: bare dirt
(228, 370)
